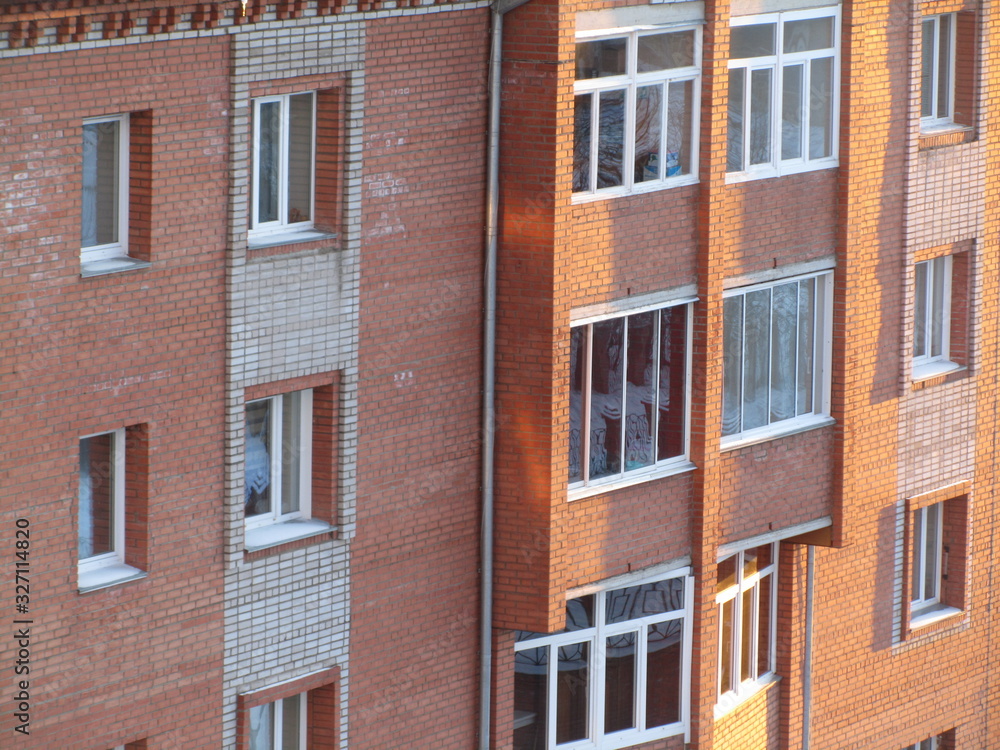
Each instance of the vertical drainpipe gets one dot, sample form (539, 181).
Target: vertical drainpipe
(807, 667)
(497, 11)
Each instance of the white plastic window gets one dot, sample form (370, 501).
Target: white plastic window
(104, 198)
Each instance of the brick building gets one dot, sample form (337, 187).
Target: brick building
(738, 484)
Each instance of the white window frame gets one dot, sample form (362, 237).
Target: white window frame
(117, 554)
(923, 598)
(277, 450)
(822, 353)
(935, 121)
(277, 724)
(778, 167)
(586, 486)
(596, 635)
(118, 249)
(281, 225)
(928, 364)
(728, 698)
(630, 82)
(931, 743)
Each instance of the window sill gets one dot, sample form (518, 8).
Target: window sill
(935, 373)
(778, 430)
(933, 616)
(642, 189)
(262, 241)
(107, 575)
(731, 701)
(786, 170)
(264, 537)
(634, 477)
(105, 266)
(944, 134)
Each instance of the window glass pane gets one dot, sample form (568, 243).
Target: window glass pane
(290, 723)
(808, 34)
(268, 160)
(732, 365)
(300, 157)
(648, 121)
(262, 727)
(530, 698)
(916, 571)
(640, 398)
(784, 339)
(580, 613)
(619, 682)
(577, 363)
(611, 139)
(663, 673)
(672, 394)
(99, 212)
(806, 347)
(760, 116)
(291, 451)
(662, 51)
(746, 635)
(764, 627)
(643, 600)
(756, 358)
(821, 108)
(726, 612)
(581, 143)
(927, 69)
(931, 574)
(725, 574)
(944, 66)
(937, 269)
(679, 111)
(600, 58)
(756, 40)
(572, 692)
(257, 449)
(920, 311)
(734, 141)
(791, 111)
(97, 496)
(606, 398)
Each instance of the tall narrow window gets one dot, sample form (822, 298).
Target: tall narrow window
(278, 463)
(101, 527)
(616, 676)
(932, 317)
(280, 725)
(783, 101)
(104, 200)
(926, 559)
(628, 395)
(937, 71)
(746, 598)
(776, 345)
(636, 110)
(283, 163)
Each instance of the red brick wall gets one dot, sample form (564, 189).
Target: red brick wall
(415, 587)
(127, 349)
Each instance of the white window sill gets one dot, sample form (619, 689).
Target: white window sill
(731, 700)
(638, 476)
(274, 534)
(255, 242)
(930, 127)
(104, 266)
(929, 370)
(653, 186)
(107, 575)
(776, 430)
(766, 172)
(931, 616)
